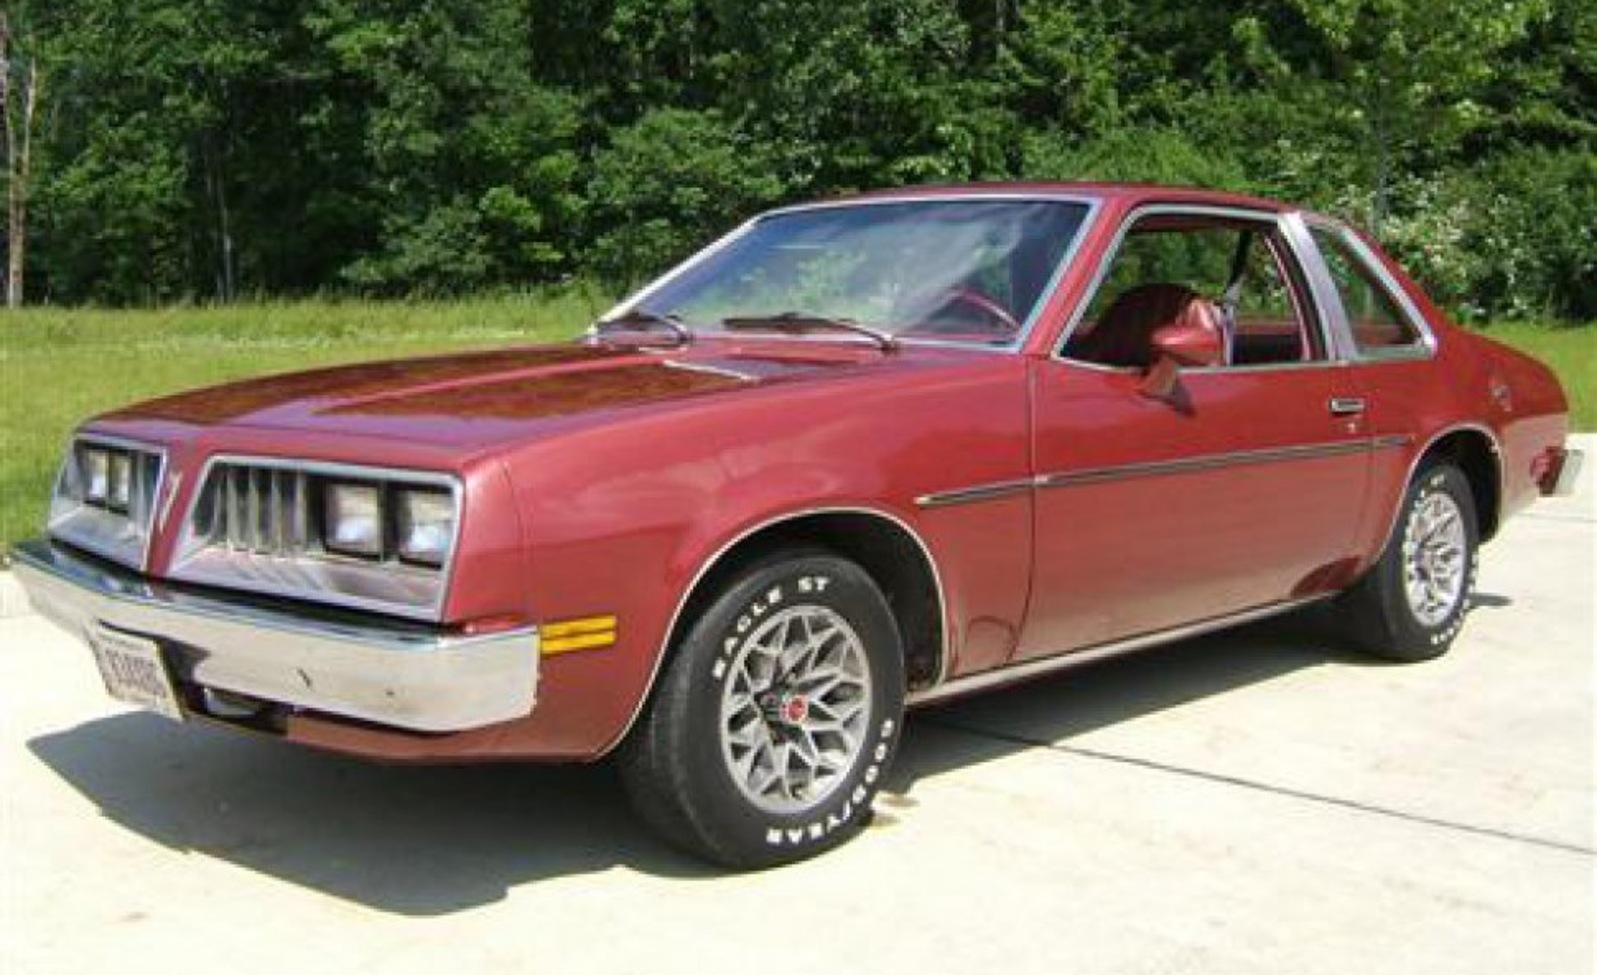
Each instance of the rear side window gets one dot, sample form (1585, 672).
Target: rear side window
(1378, 322)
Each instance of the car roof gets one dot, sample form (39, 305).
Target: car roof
(1132, 194)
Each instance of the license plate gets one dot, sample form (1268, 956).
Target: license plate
(133, 671)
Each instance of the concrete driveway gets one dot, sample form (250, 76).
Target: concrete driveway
(1259, 801)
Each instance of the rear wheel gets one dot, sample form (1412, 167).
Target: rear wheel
(1412, 603)
(776, 718)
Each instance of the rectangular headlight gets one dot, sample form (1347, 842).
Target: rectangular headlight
(426, 525)
(353, 519)
(96, 474)
(119, 481)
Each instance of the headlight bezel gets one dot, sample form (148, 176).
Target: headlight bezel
(308, 567)
(87, 519)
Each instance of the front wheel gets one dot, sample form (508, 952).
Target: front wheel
(776, 718)
(1412, 603)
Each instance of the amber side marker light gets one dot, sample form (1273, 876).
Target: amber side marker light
(585, 633)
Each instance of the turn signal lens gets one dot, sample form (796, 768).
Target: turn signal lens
(353, 519)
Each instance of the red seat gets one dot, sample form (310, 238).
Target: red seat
(1124, 333)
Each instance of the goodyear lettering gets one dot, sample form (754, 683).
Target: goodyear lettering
(858, 799)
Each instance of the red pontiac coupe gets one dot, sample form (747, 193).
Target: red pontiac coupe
(855, 456)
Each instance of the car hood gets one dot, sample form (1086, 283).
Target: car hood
(481, 398)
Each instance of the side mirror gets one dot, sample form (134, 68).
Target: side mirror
(1186, 343)
(1191, 344)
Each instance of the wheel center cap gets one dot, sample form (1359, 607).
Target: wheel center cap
(795, 708)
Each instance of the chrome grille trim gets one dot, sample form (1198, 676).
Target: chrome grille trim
(253, 525)
(265, 510)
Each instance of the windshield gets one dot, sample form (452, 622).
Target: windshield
(955, 270)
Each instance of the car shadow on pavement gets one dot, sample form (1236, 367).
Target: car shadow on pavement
(1101, 693)
(433, 840)
(410, 840)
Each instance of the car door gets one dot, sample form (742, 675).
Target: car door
(1241, 488)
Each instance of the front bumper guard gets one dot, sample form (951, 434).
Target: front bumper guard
(394, 673)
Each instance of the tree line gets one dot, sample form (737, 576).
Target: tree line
(213, 149)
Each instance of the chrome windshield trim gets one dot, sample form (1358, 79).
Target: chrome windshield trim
(1075, 658)
(652, 287)
(958, 196)
(1209, 462)
(158, 506)
(1089, 223)
(1089, 219)
(190, 547)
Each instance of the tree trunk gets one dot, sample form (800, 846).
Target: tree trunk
(18, 155)
(18, 197)
(10, 145)
(215, 181)
(1380, 201)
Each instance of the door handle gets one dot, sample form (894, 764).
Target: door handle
(1346, 406)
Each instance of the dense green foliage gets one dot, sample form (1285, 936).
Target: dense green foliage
(201, 149)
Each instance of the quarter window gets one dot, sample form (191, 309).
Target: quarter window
(1377, 322)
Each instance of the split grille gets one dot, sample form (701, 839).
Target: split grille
(265, 510)
(262, 525)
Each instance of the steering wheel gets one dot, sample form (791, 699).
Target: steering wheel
(997, 313)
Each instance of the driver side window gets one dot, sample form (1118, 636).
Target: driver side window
(1232, 275)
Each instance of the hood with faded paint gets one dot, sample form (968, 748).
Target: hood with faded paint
(482, 398)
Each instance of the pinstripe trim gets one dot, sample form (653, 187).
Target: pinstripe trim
(1207, 462)
(1185, 465)
(983, 492)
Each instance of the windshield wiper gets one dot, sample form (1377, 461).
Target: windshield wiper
(804, 321)
(643, 319)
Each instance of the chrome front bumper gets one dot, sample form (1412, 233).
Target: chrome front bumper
(399, 674)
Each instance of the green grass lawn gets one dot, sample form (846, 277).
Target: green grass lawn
(62, 366)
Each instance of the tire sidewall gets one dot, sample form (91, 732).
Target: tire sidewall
(1433, 640)
(745, 832)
